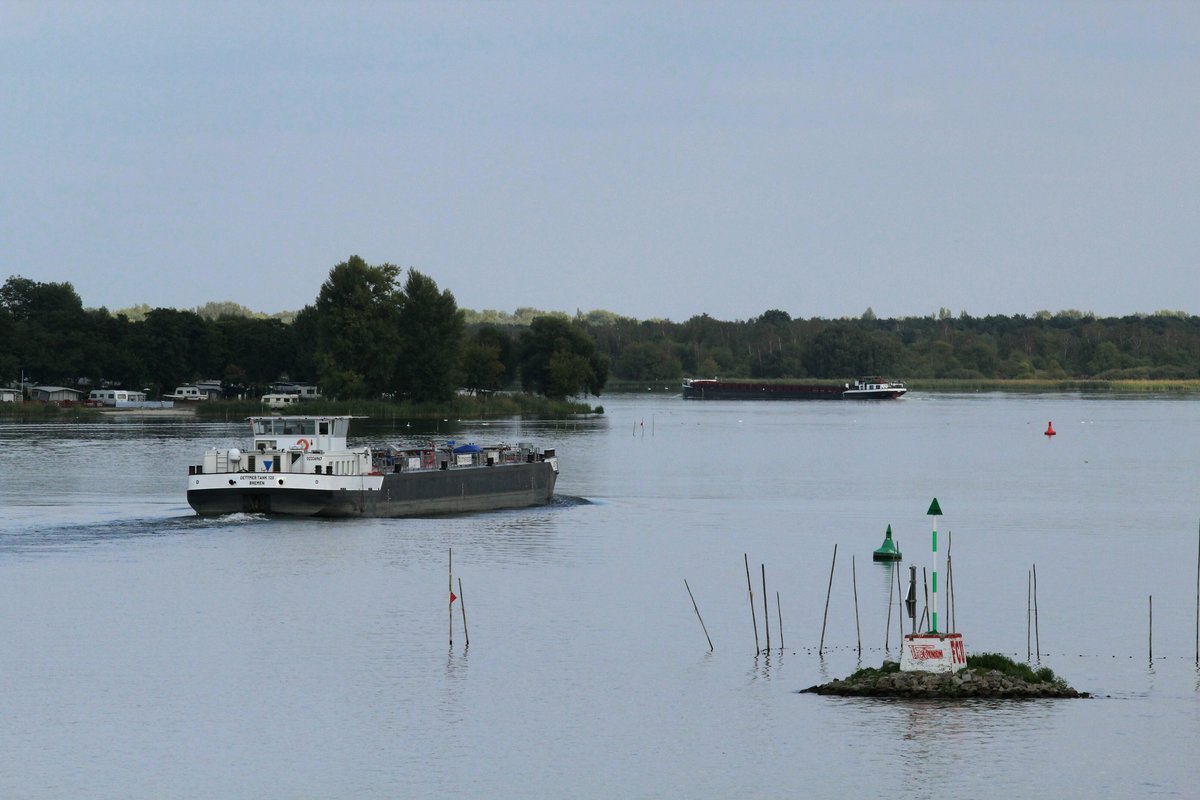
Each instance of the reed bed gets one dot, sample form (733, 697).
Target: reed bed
(459, 408)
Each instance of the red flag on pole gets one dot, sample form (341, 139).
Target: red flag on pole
(453, 597)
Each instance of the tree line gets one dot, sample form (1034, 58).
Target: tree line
(1060, 346)
(382, 331)
(371, 332)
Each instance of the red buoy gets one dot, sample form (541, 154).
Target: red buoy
(1050, 429)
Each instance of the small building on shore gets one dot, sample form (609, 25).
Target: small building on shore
(55, 394)
(10, 395)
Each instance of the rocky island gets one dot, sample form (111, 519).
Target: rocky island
(986, 676)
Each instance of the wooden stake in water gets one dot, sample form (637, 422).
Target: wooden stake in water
(1037, 631)
(702, 626)
(900, 607)
(1150, 632)
(950, 580)
(462, 600)
(1028, 613)
(934, 511)
(753, 616)
(1198, 601)
(949, 594)
(779, 611)
(766, 609)
(925, 611)
(828, 591)
(450, 580)
(854, 581)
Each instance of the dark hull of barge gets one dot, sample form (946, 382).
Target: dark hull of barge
(405, 494)
(763, 391)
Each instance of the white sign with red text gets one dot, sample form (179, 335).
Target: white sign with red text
(933, 652)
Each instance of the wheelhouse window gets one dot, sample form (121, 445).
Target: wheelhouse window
(286, 427)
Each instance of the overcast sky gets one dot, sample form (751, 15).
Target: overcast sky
(655, 159)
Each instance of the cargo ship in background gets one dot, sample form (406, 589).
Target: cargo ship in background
(304, 466)
(870, 388)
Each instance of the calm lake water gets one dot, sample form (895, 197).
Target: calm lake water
(148, 653)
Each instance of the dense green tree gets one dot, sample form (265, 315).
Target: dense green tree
(838, 351)
(488, 360)
(254, 350)
(176, 348)
(305, 336)
(559, 360)
(224, 308)
(648, 361)
(482, 369)
(357, 316)
(24, 299)
(49, 330)
(431, 336)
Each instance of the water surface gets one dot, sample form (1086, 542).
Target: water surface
(150, 653)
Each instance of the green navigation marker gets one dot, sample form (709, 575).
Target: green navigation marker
(887, 551)
(934, 511)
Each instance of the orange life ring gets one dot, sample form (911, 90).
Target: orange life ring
(303, 444)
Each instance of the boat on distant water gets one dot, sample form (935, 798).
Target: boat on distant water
(874, 388)
(304, 466)
(869, 388)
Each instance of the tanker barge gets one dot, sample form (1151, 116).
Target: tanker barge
(872, 388)
(304, 466)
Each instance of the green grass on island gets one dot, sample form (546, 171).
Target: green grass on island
(1015, 669)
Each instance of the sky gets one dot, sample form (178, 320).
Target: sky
(652, 159)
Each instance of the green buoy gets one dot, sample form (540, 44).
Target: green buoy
(887, 551)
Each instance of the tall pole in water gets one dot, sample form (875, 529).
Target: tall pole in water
(934, 511)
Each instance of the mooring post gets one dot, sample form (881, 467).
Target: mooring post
(825, 618)
(766, 609)
(854, 580)
(925, 611)
(463, 605)
(702, 625)
(753, 615)
(779, 611)
(949, 593)
(910, 602)
(950, 580)
(1037, 631)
